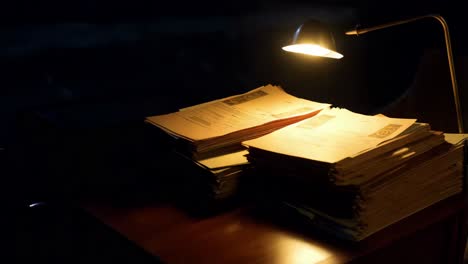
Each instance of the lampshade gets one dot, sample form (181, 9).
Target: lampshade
(314, 38)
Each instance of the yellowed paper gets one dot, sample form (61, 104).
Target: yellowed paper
(332, 135)
(455, 139)
(220, 117)
(226, 160)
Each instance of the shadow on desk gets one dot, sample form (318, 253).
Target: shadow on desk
(51, 233)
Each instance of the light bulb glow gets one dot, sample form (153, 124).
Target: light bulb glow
(314, 50)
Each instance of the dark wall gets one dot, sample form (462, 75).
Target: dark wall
(157, 59)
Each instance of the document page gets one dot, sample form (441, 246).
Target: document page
(332, 135)
(220, 117)
(455, 139)
(227, 160)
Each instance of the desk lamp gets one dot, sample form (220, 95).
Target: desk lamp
(314, 38)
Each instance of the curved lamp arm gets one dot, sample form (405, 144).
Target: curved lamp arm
(359, 31)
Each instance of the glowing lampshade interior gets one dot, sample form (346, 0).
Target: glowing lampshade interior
(314, 50)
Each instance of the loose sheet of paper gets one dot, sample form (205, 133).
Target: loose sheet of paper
(332, 135)
(454, 138)
(220, 117)
(226, 160)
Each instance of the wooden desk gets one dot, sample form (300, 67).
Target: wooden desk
(246, 235)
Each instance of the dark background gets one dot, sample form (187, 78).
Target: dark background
(78, 78)
(162, 58)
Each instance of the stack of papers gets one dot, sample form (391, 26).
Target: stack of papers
(209, 135)
(215, 178)
(229, 121)
(352, 175)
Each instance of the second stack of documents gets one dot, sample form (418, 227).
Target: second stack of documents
(352, 175)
